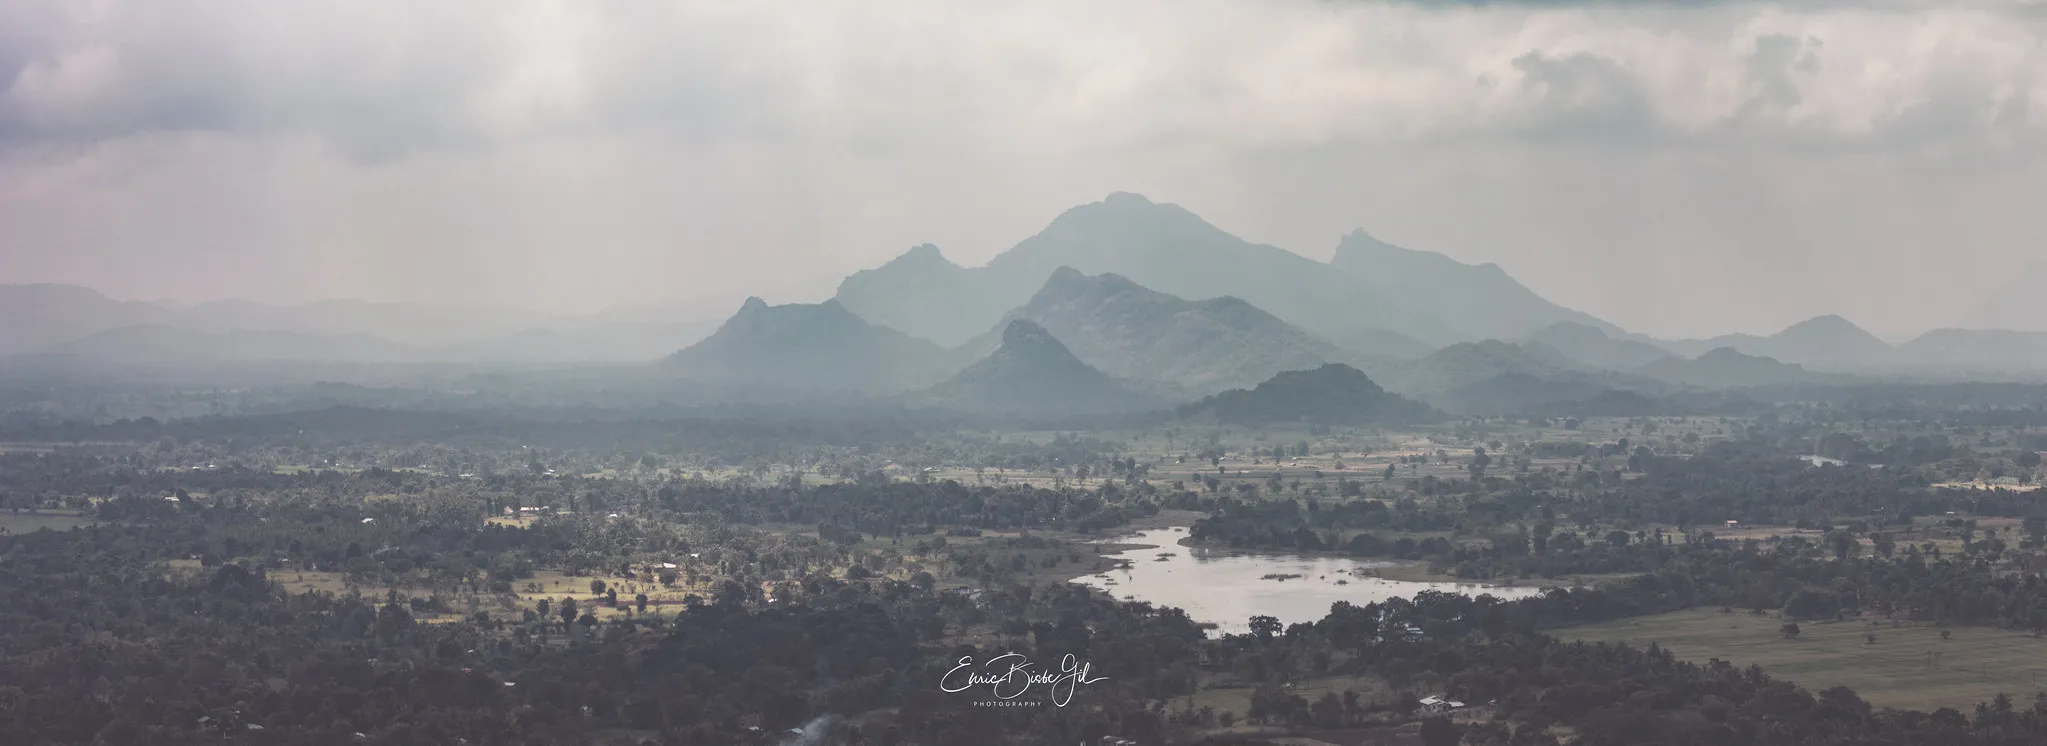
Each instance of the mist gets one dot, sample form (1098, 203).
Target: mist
(1642, 162)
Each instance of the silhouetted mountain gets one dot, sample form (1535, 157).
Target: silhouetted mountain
(1726, 367)
(1132, 332)
(1824, 342)
(1467, 302)
(1032, 373)
(809, 347)
(2021, 305)
(1591, 347)
(1986, 350)
(1334, 394)
(1160, 246)
(34, 317)
(1832, 343)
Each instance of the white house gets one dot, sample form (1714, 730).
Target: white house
(1437, 705)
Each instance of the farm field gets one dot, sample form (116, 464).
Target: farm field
(1908, 667)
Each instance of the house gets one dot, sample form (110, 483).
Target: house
(1732, 524)
(1435, 705)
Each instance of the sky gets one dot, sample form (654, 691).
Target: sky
(1680, 169)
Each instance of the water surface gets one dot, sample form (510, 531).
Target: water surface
(1228, 587)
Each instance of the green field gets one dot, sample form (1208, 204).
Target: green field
(1908, 667)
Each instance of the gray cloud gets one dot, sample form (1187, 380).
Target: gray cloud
(578, 154)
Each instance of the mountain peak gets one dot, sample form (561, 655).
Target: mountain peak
(1065, 275)
(1067, 281)
(1033, 372)
(753, 303)
(1828, 322)
(1027, 333)
(1126, 198)
(1731, 354)
(921, 255)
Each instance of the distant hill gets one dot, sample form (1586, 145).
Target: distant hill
(1131, 332)
(2020, 305)
(1470, 362)
(1824, 342)
(1334, 394)
(1467, 301)
(1159, 246)
(809, 347)
(1590, 346)
(35, 317)
(1495, 377)
(1832, 343)
(1032, 373)
(1987, 350)
(1726, 367)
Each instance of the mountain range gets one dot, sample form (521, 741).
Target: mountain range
(1170, 250)
(1147, 294)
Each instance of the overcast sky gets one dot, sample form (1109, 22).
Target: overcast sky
(1679, 170)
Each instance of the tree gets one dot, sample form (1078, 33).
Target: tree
(1790, 630)
(568, 611)
(1264, 626)
(596, 587)
(1845, 545)
(1440, 731)
(640, 601)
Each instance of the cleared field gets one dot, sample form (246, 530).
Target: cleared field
(1909, 666)
(22, 523)
(1237, 699)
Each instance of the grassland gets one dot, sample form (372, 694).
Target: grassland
(1909, 666)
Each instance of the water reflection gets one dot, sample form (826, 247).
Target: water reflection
(1228, 587)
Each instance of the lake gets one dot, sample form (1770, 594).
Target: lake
(1228, 587)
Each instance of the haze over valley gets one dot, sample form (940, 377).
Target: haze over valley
(919, 373)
